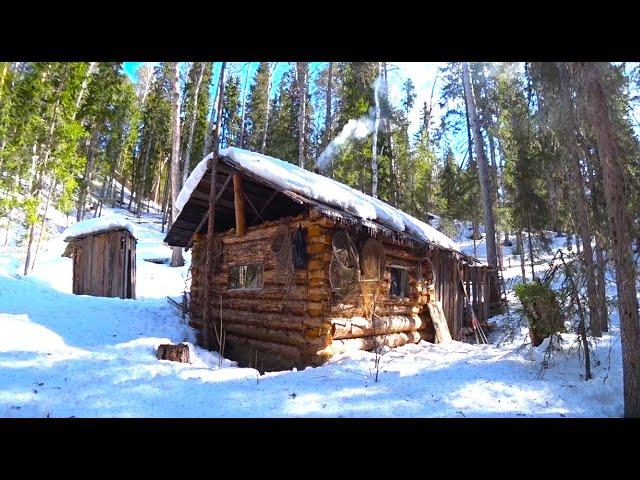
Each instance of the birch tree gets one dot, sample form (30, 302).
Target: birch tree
(176, 252)
(192, 124)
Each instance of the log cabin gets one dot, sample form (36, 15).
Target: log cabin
(104, 257)
(306, 267)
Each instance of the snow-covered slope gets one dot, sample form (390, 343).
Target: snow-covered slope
(64, 355)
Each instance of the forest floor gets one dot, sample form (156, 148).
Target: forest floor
(63, 355)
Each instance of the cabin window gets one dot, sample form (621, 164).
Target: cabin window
(399, 282)
(246, 276)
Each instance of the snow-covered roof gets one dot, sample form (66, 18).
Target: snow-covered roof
(291, 178)
(97, 225)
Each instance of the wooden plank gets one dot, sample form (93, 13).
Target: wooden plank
(467, 279)
(97, 274)
(487, 294)
(474, 289)
(118, 265)
(86, 274)
(454, 309)
(132, 259)
(108, 263)
(78, 269)
(439, 322)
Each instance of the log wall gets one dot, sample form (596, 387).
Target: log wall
(271, 328)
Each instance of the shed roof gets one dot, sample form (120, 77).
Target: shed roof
(97, 225)
(325, 194)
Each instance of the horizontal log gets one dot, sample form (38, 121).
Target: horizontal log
(271, 292)
(293, 307)
(369, 343)
(273, 320)
(361, 327)
(287, 351)
(318, 321)
(264, 333)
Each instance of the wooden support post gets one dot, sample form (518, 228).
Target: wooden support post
(238, 202)
(206, 215)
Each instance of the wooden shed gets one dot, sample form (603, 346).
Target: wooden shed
(104, 257)
(306, 267)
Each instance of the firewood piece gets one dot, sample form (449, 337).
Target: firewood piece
(174, 353)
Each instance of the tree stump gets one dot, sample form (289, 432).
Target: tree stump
(175, 353)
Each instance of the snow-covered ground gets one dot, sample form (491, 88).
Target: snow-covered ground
(63, 355)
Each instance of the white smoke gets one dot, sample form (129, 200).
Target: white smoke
(355, 128)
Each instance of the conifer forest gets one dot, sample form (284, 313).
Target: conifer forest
(532, 167)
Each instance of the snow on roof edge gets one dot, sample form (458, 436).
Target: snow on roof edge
(98, 225)
(288, 176)
(192, 182)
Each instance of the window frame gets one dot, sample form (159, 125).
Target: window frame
(239, 266)
(405, 270)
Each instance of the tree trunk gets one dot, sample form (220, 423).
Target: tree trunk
(44, 218)
(100, 198)
(3, 74)
(580, 202)
(86, 178)
(266, 115)
(301, 75)
(143, 180)
(374, 148)
(520, 243)
(244, 101)
(601, 266)
(482, 170)
(615, 189)
(176, 252)
(208, 134)
(27, 262)
(186, 164)
(83, 88)
(165, 200)
(328, 107)
(530, 241)
(213, 166)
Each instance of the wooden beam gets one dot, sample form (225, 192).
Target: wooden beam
(264, 207)
(255, 210)
(238, 201)
(206, 215)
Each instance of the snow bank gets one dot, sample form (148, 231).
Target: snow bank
(288, 176)
(98, 225)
